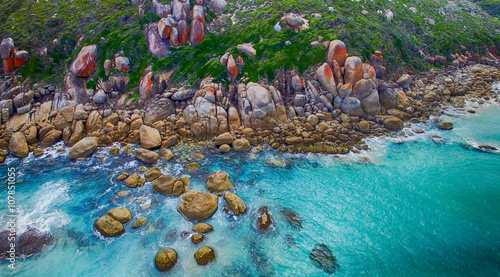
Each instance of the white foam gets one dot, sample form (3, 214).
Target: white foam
(44, 213)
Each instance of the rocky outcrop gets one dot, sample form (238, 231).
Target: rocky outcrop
(219, 182)
(207, 119)
(197, 206)
(260, 107)
(353, 70)
(83, 148)
(85, 63)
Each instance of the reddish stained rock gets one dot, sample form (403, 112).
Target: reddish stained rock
(377, 58)
(146, 87)
(180, 9)
(224, 58)
(8, 65)
(174, 37)
(7, 48)
(240, 60)
(337, 72)
(107, 65)
(325, 77)
(353, 70)
(232, 69)
(164, 28)
(156, 46)
(85, 63)
(122, 64)
(197, 32)
(199, 14)
(20, 58)
(369, 71)
(337, 51)
(183, 30)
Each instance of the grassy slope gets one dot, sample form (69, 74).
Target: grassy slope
(114, 26)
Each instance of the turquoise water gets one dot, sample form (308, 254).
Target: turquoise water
(419, 209)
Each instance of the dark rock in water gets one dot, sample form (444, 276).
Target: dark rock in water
(292, 217)
(4, 244)
(445, 125)
(185, 234)
(289, 240)
(32, 242)
(438, 139)
(264, 219)
(323, 258)
(171, 235)
(487, 148)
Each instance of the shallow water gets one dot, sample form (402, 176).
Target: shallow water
(419, 209)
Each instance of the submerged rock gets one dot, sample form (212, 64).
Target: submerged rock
(32, 241)
(264, 220)
(323, 258)
(165, 259)
(292, 217)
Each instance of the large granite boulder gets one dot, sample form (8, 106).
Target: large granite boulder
(206, 118)
(371, 104)
(75, 87)
(197, 32)
(219, 182)
(183, 32)
(204, 255)
(121, 214)
(326, 79)
(180, 10)
(197, 206)
(156, 46)
(150, 137)
(146, 87)
(235, 203)
(241, 145)
(18, 145)
(32, 241)
(146, 156)
(337, 51)
(7, 48)
(389, 99)
(352, 106)
(393, 124)
(108, 226)
(165, 259)
(353, 70)
(168, 186)
(217, 5)
(259, 106)
(85, 63)
(83, 148)
(20, 58)
(158, 110)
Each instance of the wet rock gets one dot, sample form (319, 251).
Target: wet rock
(197, 206)
(337, 51)
(241, 145)
(197, 238)
(150, 137)
(165, 259)
(236, 203)
(134, 180)
(219, 182)
(323, 258)
(124, 175)
(18, 145)
(146, 156)
(141, 221)
(152, 174)
(109, 227)
(264, 220)
(168, 186)
(203, 228)
(292, 217)
(83, 148)
(167, 154)
(85, 63)
(393, 124)
(445, 125)
(121, 214)
(204, 255)
(192, 167)
(32, 241)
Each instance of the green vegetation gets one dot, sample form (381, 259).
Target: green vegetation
(52, 30)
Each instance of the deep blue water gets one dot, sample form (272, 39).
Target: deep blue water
(419, 209)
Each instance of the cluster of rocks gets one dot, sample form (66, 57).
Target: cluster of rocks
(111, 224)
(173, 30)
(11, 57)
